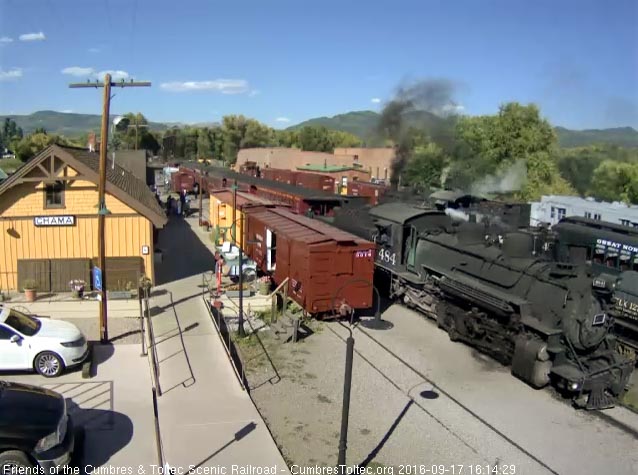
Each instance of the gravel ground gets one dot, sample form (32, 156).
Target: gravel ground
(398, 418)
(300, 395)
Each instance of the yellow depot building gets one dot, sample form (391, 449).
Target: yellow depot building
(49, 223)
(221, 214)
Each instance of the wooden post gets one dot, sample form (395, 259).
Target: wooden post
(102, 211)
(101, 217)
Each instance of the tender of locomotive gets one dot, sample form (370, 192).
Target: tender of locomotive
(612, 251)
(498, 294)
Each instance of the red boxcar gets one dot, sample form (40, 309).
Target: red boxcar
(323, 264)
(372, 191)
(279, 174)
(315, 181)
(182, 181)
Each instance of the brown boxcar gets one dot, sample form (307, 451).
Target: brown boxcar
(322, 263)
(182, 181)
(315, 181)
(279, 174)
(372, 191)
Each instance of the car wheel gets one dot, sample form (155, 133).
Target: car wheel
(48, 364)
(12, 461)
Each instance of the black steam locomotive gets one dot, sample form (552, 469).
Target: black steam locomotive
(497, 292)
(612, 252)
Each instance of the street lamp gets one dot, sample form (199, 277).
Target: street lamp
(347, 379)
(119, 123)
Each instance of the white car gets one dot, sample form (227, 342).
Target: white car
(48, 346)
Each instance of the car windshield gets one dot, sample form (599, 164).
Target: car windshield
(22, 323)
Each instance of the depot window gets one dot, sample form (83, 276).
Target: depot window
(54, 195)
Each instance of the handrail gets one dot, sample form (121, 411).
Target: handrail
(217, 321)
(155, 373)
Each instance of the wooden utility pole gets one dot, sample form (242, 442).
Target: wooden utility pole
(201, 195)
(102, 211)
(137, 125)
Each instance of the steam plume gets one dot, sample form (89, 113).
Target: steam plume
(508, 180)
(432, 95)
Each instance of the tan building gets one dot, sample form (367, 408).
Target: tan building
(378, 161)
(49, 223)
(290, 158)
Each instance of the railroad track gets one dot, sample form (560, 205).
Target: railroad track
(442, 391)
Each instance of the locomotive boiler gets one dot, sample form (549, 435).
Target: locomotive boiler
(498, 293)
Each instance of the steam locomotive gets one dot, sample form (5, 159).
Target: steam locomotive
(612, 252)
(495, 290)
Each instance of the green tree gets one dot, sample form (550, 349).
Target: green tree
(517, 132)
(344, 139)
(10, 134)
(204, 144)
(543, 178)
(425, 166)
(31, 145)
(316, 139)
(233, 130)
(287, 138)
(257, 134)
(615, 181)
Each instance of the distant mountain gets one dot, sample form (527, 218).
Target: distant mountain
(364, 124)
(623, 136)
(67, 124)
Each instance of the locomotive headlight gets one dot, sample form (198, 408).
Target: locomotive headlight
(573, 386)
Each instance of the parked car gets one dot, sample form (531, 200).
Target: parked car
(35, 430)
(45, 345)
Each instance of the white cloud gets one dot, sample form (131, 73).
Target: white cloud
(375, 100)
(32, 37)
(13, 73)
(254, 93)
(67, 111)
(115, 74)
(282, 119)
(225, 86)
(93, 50)
(92, 73)
(6, 39)
(78, 71)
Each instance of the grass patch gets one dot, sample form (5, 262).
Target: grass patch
(9, 165)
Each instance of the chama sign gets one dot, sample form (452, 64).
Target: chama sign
(54, 220)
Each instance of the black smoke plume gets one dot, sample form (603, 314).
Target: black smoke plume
(434, 96)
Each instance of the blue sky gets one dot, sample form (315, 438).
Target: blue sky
(286, 61)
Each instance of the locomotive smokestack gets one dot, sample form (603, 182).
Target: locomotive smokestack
(433, 96)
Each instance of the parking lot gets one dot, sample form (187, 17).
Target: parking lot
(112, 411)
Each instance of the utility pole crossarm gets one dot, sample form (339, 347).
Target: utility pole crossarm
(113, 84)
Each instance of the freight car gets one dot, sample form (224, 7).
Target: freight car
(323, 265)
(372, 191)
(300, 200)
(494, 293)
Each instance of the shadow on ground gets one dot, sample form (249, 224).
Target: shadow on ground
(184, 254)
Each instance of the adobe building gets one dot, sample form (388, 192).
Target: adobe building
(377, 161)
(49, 223)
